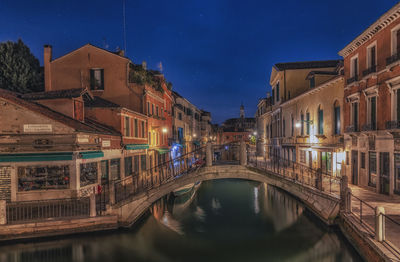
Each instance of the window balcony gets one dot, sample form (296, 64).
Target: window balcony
(368, 127)
(370, 70)
(351, 129)
(393, 124)
(392, 59)
(352, 79)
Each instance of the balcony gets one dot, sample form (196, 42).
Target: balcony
(351, 128)
(392, 59)
(370, 70)
(393, 124)
(368, 127)
(352, 79)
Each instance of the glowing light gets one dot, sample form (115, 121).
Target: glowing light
(298, 125)
(194, 135)
(255, 133)
(164, 130)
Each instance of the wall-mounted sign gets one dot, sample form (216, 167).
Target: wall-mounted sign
(38, 128)
(106, 143)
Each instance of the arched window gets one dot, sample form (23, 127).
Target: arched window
(320, 120)
(336, 117)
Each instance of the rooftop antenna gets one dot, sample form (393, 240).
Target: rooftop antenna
(124, 22)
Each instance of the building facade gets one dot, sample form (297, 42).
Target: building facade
(371, 105)
(301, 120)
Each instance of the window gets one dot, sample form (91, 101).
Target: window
(104, 171)
(115, 169)
(302, 156)
(336, 112)
(302, 124)
(149, 138)
(320, 121)
(157, 114)
(292, 126)
(143, 133)
(396, 41)
(88, 174)
(308, 123)
(354, 115)
(128, 166)
(43, 177)
(312, 82)
(363, 160)
(273, 96)
(152, 109)
(354, 67)
(97, 79)
(371, 57)
(143, 163)
(136, 128)
(136, 164)
(148, 108)
(277, 92)
(371, 107)
(326, 161)
(284, 128)
(347, 157)
(180, 116)
(127, 131)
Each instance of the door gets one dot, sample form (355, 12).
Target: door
(354, 167)
(384, 172)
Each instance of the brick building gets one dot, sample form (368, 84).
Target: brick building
(371, 105)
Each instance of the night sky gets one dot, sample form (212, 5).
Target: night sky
(217, 53)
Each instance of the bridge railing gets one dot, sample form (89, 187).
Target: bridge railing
(160, 174)
(380, 226)
(295, 171)
(43, 210)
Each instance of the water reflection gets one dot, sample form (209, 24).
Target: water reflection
(225, 220)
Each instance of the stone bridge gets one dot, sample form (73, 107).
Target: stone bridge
(324, 205)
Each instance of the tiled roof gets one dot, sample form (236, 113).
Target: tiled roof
(56, 116)
(307, 64)
(67, 93)
(100, 102)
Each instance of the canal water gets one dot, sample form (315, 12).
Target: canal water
(221, 220)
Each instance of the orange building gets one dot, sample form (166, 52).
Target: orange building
(143, 94)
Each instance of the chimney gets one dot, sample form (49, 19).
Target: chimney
(47, 72)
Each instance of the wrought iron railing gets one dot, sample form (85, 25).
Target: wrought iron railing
(393, 58)
(368, 127)
(370, 70)
(352, 79)
(159, 175)
(296, 172)
(32, 211)
(351, 128)
(393, 124)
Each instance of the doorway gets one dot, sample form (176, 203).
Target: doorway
(384, 172)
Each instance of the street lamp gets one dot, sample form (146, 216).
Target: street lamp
(298, 124)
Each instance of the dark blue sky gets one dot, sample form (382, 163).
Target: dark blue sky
(217, 53)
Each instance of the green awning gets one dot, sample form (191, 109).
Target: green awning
(35, 157)
(162, 150)
(91, 154)
(136, 146)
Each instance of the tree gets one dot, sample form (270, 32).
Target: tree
(20, 70)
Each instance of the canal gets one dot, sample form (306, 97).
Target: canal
(221, 220)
